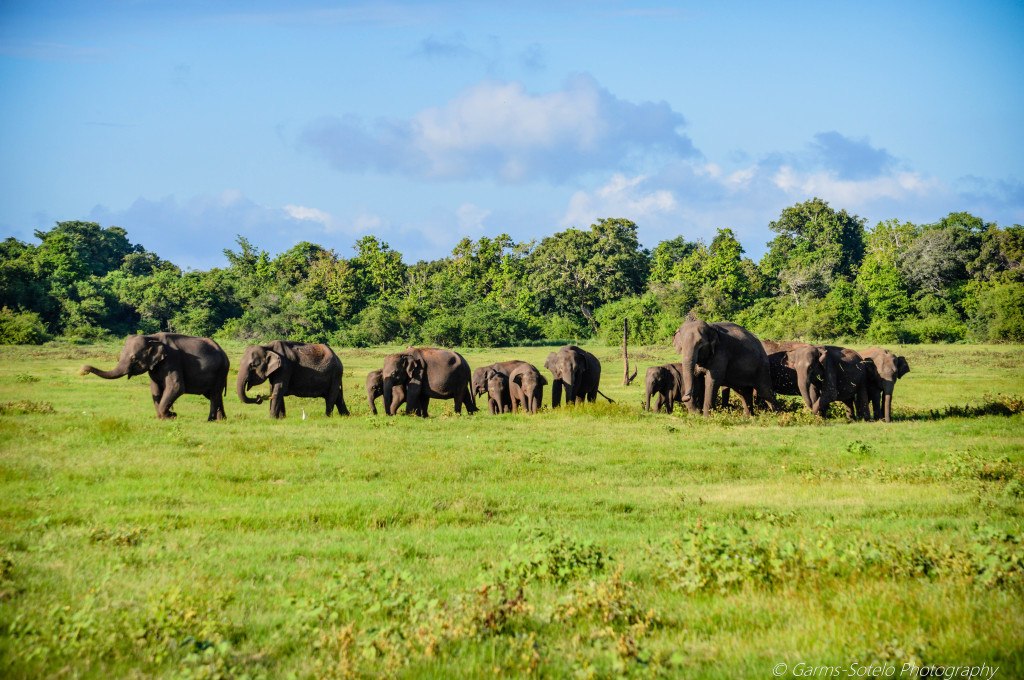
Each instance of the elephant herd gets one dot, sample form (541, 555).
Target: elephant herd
(714, 357)
(729, 357)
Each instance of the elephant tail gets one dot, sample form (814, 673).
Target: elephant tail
(610, 400)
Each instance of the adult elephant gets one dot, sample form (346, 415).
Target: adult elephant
(889, 368)
(526, 385)
(293, 369)
(177, 365)
(730, 356)
(578, 372)
(375, 388)
(847, 379)
(798, 369)
(427, 373)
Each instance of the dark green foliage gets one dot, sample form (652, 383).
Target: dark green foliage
(823, 277)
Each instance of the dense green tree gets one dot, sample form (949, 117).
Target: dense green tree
(574, 272)
(666, 255)
(814, 245)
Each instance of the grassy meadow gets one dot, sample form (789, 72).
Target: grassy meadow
(598, 541)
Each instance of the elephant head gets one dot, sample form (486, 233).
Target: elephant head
(567, 368)
(405, 368)
(478, 384)
(140, 354)
(374, 388)
(257, 365)
(497, 391)
(696, 341)
(531, 384)
(809, 364)
(888, 368)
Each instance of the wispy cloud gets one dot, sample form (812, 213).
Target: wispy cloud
(498, 130)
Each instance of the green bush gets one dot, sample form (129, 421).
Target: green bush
(21, 328)
(999, 313)
(647, 322)
(375, 325)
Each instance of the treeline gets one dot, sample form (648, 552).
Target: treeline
(824, 276)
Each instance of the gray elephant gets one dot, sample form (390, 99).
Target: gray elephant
(499, 399)
(427, 373)
(479, 380)
(375, 388)
(526, 386)
(177, 364)
(293, 369)
(667, 382)
(889, 368)
(578, 372)
(730, 355)
(798, 369)
(848, 376)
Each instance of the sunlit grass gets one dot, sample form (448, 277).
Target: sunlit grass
(265, 547)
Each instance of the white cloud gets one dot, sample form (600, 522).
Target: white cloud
(471, 218)
(621, 197)
(499, 130)
(853, 193)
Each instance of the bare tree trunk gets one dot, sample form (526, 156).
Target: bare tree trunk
(626, 377)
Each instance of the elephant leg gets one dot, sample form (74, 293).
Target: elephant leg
(277, 409)
(710, 385)
(746, 399)
(171, 391)
(156, 390)
(556, 393)
(216, 398)
(421, 409)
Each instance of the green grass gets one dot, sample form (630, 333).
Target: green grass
(596, 541)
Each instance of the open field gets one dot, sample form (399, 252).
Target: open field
(595, 541)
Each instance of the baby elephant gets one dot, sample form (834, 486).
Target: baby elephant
(667, 382)
(498, 397)
(526, 387)
(375, 388)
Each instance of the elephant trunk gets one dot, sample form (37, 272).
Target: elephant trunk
(242, 386)
(119, 371)
(804, 385)
(389, 385)
(689, 375)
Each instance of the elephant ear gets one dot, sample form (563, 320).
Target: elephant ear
(155, 352)
(549, 362)
(414, 367)
(542, 381)
(902, 367)
(517, 378)
(273, 362)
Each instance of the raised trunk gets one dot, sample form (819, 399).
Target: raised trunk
(242, 385)
(119, 371)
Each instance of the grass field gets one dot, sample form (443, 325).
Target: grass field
(598, 541)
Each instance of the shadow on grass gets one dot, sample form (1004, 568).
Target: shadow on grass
(991, 405)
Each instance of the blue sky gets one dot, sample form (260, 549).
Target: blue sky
(188, 123)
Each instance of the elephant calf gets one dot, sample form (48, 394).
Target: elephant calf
(293, 369)
(667, 382)
(375, 388)
(498, 398)
(526, 387)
